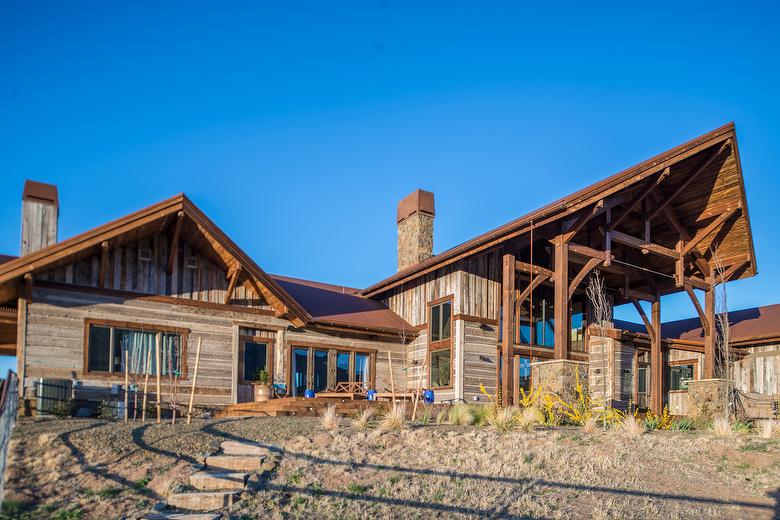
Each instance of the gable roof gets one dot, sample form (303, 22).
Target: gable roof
(694, 201)
(745, 326)
(335, 305)
(154, 218)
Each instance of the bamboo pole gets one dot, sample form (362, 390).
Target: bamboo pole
(392, 381)
(419, 386)
(127, 384)
(157, 358)
(194, 381)
(147, 369)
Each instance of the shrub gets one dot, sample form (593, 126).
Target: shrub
(528, 418)
(766, 429)
(631, 427)
(394, 418)
(425, 417)
(460, 415)
(682, 425)
(329, 419)
(741, 426)
(503, 419)
(658, 422)
(480, 414)
(441, 417)
(62, 409)
(364, 419)
(591, 425)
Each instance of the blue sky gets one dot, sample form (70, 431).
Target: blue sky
(297, 127)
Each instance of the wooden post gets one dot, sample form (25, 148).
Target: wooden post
(194, 381)
(507, 327)
(709, 332)
(392, 381)
(561, 312)
(147, 369)
(127, 383)
(656, 358)
(157, 359)
(419, 387)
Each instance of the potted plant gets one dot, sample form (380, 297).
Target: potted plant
(262, 386)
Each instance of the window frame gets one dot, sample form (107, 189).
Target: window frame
(139, 326)
(269, 356)
(682, 362)
(332, 350)
(441, 344)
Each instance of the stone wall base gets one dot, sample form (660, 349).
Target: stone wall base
(708, 398)
(560, 377)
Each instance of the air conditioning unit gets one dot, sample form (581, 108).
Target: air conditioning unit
(50, 394)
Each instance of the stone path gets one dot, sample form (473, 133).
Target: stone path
(219, 482)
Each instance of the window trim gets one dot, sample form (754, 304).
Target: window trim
(88, 322)
(434, 346)
(242, 339)
(682, 362)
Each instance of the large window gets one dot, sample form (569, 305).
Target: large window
(440, 343)
(537, 326)
(680, 373)
(320, 368)
(256, 357)
(110, 343)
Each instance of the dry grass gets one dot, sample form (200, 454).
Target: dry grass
(766, 429)
(394, 418)
(460, 415)
(631, 427)
(590, 425)
(503, 419)
(328, 419)
(364, 419)
(721, 426)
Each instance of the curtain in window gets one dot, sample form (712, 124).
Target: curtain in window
(361, 368)
(140, 348)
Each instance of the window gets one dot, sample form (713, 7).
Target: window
(680, 374)
(256, 358)
(440, 368)
(320, 368)
(440, 343)
(342, 367)
(441, 320)
(361, 368)
(109, 343)
(524, 373)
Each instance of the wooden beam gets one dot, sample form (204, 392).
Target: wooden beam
(651, 330)
(638, 243)
(728, 272)
(588, 251)
(674, 222)
(533, 284)
(695, 282)
(656, 359)
(507, 327)
(702, 316)
(586, 216)
(561, 310)
(232, 285)
(715, 224)
(103, 264)
(586, 269)
(525, 267)
(649, 186)
(639, 295)
(709, 332)
(174, 252)
(689, 179)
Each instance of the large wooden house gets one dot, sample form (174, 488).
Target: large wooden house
(506, 309)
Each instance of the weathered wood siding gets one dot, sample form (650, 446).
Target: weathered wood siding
(205, 282)
(759, 373)
(480, 358)
(55, 341)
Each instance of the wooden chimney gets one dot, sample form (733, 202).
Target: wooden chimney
(40, 211)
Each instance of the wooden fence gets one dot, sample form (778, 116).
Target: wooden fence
(9, 405)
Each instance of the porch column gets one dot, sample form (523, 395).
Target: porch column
(507, 328)
(561, 313)
(709, 330)
(656, 358)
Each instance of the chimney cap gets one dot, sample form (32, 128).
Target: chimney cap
(40, 192)
(418, 200)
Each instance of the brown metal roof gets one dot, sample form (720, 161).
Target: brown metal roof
(40, 191)
(7, 258)
(757, 323)
(341, 306)
(568, 205)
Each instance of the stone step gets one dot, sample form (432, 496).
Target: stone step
(244, 448)
(235, 462)
(181, 516)
(215, 480)
(202, 501)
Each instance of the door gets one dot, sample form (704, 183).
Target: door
(254, 355)
(320, 375)
(300, 371)
(643, 392)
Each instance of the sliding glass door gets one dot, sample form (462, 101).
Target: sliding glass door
(321, 369)
(320, 382)
(300, 371)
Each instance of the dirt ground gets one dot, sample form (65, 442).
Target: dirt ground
(87, 468)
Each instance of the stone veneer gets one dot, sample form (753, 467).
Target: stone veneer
(708, 398)
(415, 239)
(560, 377)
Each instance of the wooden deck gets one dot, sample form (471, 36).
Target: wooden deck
(294, 406)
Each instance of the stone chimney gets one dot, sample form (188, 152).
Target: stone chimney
(40, 211)
(415, 228)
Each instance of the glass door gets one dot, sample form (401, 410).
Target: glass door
(300, 372)
(643, 393)
(320, 370)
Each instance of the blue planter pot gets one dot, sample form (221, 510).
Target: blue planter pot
(428, 397)
(371, 395)
(308, 393)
